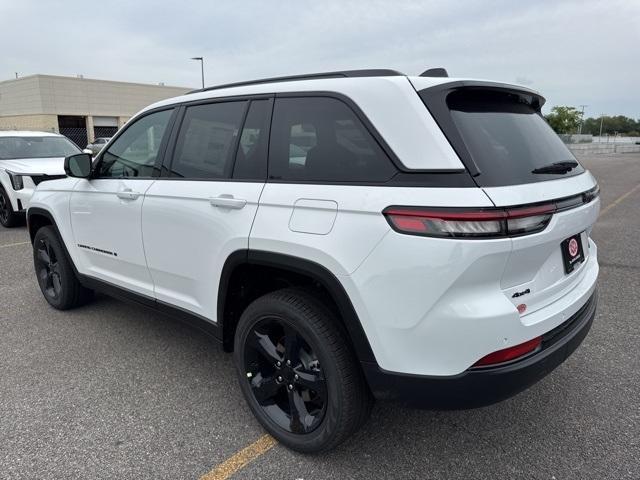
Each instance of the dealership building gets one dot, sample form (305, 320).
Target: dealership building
(80, 108)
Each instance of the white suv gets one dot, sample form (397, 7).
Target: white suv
(349, 236)
(26, 159)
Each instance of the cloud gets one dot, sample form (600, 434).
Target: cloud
(579, 52)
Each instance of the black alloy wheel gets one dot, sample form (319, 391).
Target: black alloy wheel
(48, 270)
(4, 210)
(8, 218)
(55, 272)
(285, 376)
(298, 371)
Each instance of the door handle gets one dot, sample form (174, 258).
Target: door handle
(128, 194)
(228, 201)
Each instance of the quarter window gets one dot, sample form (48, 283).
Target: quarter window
(134, 153)
(321, 139)
(207, 140)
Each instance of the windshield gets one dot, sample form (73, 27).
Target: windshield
(507, 138)
(35, 147)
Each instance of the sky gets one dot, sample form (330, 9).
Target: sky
(574, 52)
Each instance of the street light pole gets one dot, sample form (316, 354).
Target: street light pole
(581, 119)
(601, 121)
(201, 59)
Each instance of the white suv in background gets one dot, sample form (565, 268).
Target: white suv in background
(348, 235)
(26, 159)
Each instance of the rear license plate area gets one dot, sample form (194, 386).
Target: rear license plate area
(572, 252)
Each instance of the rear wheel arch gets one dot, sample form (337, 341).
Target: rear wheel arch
(249, 274)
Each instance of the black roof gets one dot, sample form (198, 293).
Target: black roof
(310, 76)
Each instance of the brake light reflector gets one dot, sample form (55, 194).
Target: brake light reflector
(469, 223)
(510, 353)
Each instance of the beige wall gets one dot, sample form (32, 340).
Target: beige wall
(48, 94)
(45, 123)
(20, 97)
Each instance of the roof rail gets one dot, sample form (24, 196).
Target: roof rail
(310, 76)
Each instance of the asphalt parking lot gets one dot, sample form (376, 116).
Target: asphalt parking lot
(113, 390)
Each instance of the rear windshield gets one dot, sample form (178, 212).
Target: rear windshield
(507, 138)
(35, 147)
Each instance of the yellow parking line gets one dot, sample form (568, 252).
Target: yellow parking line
(14, 244)
(241, 459)
(619, 200)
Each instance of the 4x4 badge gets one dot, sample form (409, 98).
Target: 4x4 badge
(519, 294)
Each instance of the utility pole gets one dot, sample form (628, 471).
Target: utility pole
(581, 118)
(601, 122)
(201, 60)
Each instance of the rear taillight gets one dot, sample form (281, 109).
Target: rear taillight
(491, 222)
(469, 223)
(511, 353)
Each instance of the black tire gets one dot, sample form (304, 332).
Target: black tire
(56, 278)
(344, 395)
(8, 218)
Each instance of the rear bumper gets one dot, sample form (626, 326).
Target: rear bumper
(479, 387)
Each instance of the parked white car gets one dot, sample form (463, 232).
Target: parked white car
(26, 160)
(97, 145)
(348, 235)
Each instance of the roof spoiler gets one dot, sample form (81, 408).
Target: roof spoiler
(435, 72)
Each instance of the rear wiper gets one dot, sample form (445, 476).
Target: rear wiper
(556, 167)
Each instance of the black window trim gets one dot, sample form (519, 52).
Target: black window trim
(271, 101)
(370, 127)
(404, 177)
(165, 169)
(411, 178)
(161, 150)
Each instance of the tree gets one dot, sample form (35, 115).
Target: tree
(610, 125)
(564, 119)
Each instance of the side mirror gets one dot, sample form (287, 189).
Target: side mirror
(88, 150)
(78, 165)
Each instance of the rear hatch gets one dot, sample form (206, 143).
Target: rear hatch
(515, 157)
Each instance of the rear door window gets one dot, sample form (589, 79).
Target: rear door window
(507, 138)
(206, 144)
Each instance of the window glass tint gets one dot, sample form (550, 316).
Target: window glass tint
(207, 140)
(251, 158)
(321, 139)
(134, 153)
(35, 147)
(507, 137)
